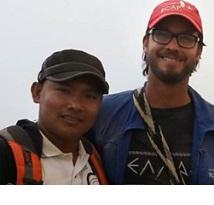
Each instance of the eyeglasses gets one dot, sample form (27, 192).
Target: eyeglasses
(183, 40)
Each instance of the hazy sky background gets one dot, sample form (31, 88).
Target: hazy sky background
(110, 29)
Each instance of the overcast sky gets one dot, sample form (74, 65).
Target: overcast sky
(110, 29)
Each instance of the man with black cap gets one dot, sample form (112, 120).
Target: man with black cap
(162, 133)
(53, 150)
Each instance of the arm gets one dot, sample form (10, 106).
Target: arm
(7, 164)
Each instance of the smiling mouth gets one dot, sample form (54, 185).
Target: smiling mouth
(171, 59)
(72, 119)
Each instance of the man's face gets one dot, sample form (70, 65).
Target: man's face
(66, 110)
(171, 63)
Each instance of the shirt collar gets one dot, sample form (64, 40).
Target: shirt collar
(50, 150)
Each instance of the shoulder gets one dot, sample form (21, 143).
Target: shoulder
(4, 147)
(121, 97)
(199, 102)
(115, 104)
(117, 101)
(17, 140)
(8, 168)
(117, 114)
(3, 144)
(204, 110)
(25, 133)
(33, 133)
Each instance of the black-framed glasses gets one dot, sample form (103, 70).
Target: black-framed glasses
(183, 40)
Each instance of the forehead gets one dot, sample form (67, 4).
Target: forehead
(175, 22)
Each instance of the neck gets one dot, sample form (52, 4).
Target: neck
(66, 146)
(71, 146)
(162, 95)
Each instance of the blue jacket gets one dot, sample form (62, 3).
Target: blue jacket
(117, 119)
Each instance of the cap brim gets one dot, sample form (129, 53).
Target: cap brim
(61, 77)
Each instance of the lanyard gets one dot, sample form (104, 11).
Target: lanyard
(153, 131)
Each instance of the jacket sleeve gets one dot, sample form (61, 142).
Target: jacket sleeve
(7, 164)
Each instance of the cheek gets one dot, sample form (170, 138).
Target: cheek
(153, 50)
(93, 111)
(49, 103)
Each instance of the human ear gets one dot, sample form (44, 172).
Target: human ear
(35, 91)
(145, 43)
(199, 51)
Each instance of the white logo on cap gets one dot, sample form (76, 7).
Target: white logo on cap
(176, 6)
(190, 8)
(182, 4)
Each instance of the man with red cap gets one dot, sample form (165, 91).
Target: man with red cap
(162, 133)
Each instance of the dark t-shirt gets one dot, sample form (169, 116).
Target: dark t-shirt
(144, 166)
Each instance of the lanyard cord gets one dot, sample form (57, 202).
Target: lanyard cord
(154, 130)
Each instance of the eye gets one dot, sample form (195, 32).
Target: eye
(187, 38)
(161, 36)
(93, 95)
(62, 89)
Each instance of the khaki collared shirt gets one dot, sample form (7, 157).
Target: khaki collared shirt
(58, 167)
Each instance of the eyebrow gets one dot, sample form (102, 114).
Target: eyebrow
(182, 32)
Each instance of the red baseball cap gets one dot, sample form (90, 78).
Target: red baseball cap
(176, 7)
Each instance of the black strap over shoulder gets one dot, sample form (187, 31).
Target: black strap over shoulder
(95, 161)
(32, 130)
(25, 154)
(19, 135)
(7, 164)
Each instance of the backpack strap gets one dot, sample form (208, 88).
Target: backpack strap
(95, 161)
(27, 161)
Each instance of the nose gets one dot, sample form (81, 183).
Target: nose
(75, 103)
(173, 44)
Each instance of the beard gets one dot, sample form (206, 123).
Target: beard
(169, 75)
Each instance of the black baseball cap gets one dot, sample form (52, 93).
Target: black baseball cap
(70, 64)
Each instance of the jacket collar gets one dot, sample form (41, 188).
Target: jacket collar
(204, 114)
